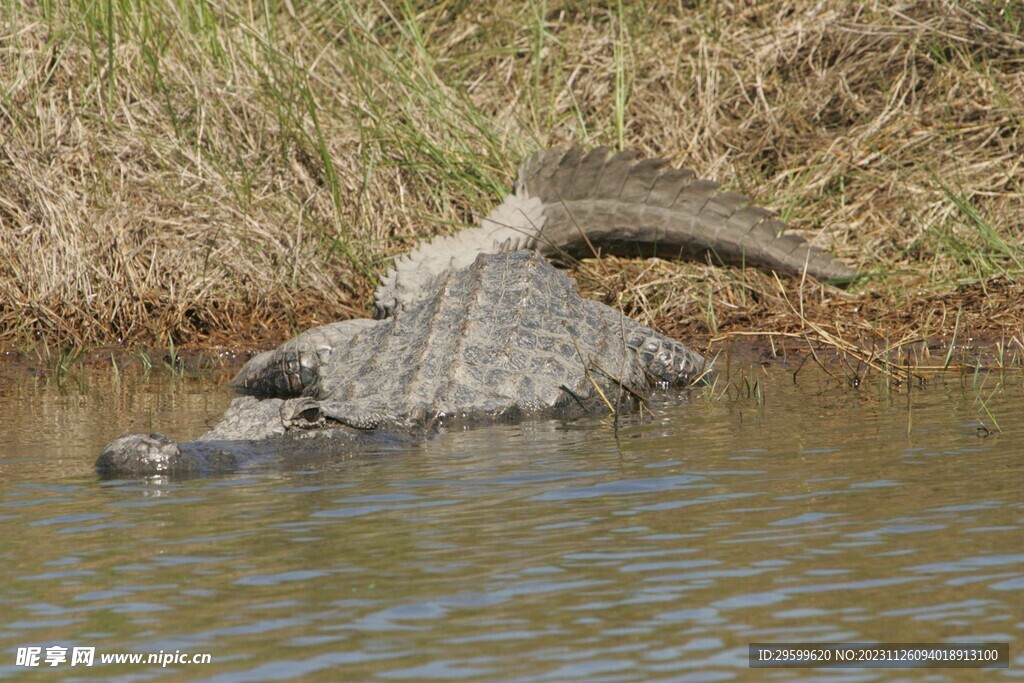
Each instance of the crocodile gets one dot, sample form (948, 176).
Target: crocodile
(479, 326)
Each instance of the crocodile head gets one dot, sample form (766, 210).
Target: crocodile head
(145, 454)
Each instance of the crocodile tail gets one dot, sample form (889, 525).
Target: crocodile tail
(511, 226)
(614, 203)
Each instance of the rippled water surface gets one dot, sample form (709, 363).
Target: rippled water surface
(537, 552)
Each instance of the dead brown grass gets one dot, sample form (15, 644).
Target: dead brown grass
(915, 328)
(170, 174)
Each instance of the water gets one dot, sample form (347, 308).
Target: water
(537, 552)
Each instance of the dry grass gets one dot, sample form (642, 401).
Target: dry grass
(196, 172)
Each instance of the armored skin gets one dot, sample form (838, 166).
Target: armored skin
(478, 326)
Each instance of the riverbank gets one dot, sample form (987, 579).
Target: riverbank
(187, 176)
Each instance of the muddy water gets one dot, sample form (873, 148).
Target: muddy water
(539, 552)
